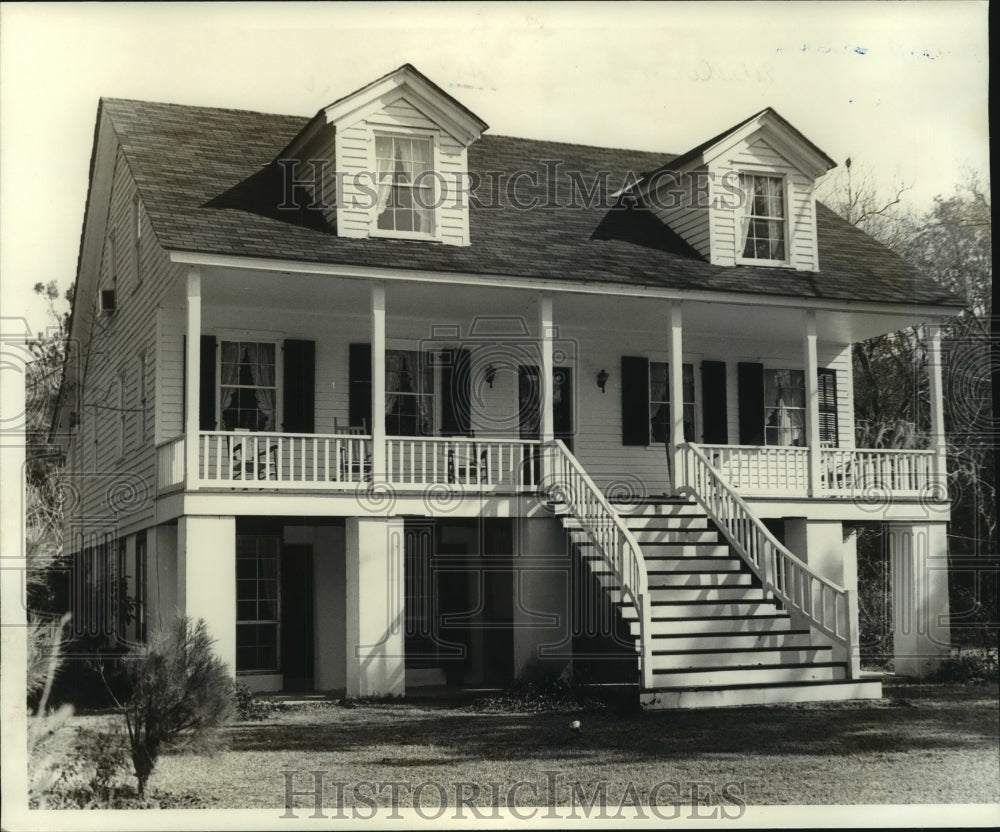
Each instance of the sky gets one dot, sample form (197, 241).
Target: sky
(899, 87)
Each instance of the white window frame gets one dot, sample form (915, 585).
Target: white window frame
(279, 370)
(422, 135)
(122, 431)
(745, 218)
(136, 232)
(435, 393)
(142, 392)
(653, 442)
(804, 409)
(257, 620)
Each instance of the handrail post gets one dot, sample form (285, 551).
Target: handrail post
(852, 635)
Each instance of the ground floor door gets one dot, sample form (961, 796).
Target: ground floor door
(297, 616)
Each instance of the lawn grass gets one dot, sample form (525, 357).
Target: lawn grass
(920, 744)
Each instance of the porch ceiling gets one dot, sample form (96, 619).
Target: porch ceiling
(459, 304)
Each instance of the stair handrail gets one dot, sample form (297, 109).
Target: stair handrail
(785, 576)
(567, 480)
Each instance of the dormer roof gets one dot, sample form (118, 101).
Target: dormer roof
(407, 82)
(809, 158)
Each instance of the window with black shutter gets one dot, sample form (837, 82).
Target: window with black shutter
(828, 426)
(299, 394)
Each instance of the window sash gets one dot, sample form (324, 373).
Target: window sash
(248, 385)
(405, 191)
(659, 401)
(764, 222)
(784, 407)
(258, 602)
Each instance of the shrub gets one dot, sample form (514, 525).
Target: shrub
(179, 692)
(969, 665)
(250, 707)
(543, 687)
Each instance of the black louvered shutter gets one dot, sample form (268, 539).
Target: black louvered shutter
(635, 400)
(828, 427)
(360, 385)
(206, 392)
(715, 419)
(299, 395)
(750, 385)
(456, 390)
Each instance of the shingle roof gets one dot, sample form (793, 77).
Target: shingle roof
(208, 184)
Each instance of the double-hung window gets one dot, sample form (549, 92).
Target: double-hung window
(248, 386)
(405, 185)
(659, 401)
(409, 393)
(784, 407)
(257, 601)
(765, 218)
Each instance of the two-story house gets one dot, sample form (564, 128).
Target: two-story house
(391, 402)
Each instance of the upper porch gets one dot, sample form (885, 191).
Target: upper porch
(418, 385)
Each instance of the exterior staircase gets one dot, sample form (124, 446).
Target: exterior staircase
(717, 639)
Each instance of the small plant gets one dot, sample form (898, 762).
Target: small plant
(542, 687)
(179, 692)
(970, 665)
(249, 707)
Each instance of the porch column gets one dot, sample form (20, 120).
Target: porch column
(206, 578)
(939, 441)
(374, 627)
(812, 404)
(921, 633)
(378, 381)
(546, 371)
(676, 394)
(192, 384)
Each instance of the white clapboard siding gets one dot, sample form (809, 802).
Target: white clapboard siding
(116, 480)
(689, 220)
(354, 149)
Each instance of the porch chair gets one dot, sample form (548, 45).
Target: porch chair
(360, 468)
(265, 466)
(472, 468)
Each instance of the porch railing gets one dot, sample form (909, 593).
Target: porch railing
(854, 472)
(472, 463)
(567, 482)
(830, 609)
(285, 460)
(757, 469)
(170, 463)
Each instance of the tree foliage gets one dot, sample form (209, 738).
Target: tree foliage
(950, 242)
(178, 692)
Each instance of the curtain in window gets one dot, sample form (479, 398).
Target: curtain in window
(230, 377)
(659, 392)
(394, 363)
(265, 388)
(422, 380)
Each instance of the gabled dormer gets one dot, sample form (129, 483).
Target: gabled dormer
(390, 160)
(746, 196)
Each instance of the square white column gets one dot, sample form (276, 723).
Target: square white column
(378, 381)
(375, 627)
(206, 578)
(192, 305)
(921, 632)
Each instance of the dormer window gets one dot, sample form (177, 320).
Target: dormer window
(405, 185)
(764, 223)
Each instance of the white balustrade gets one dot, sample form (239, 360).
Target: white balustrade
(472, 463)
(170, 463)
(830, 609)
